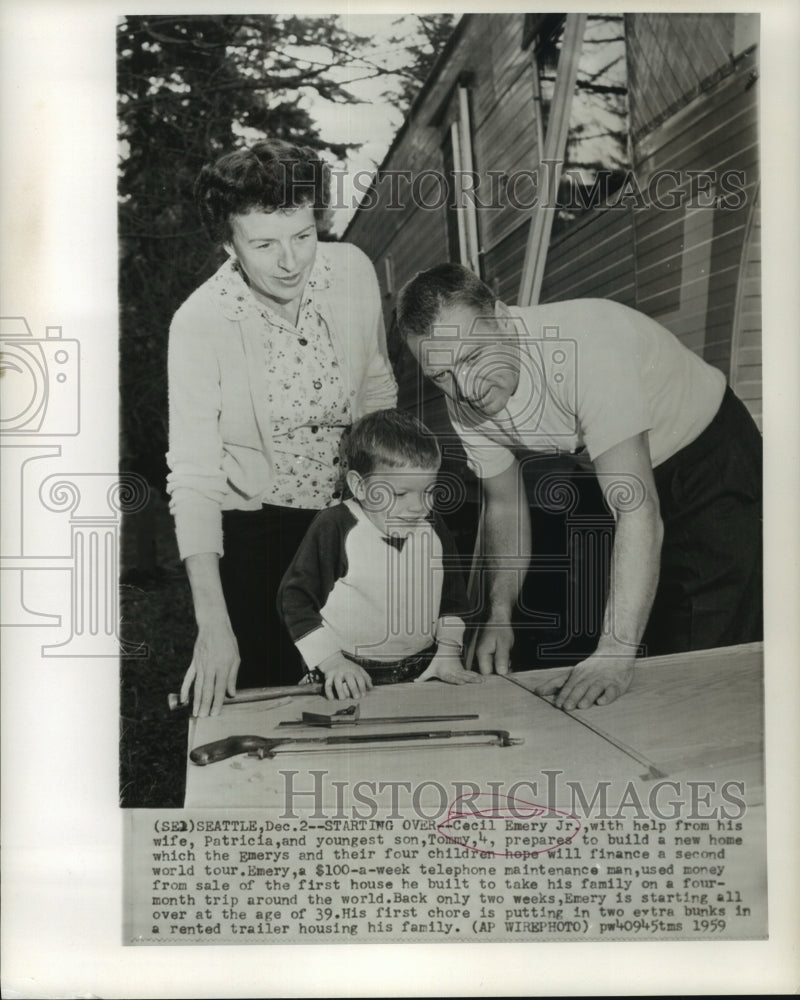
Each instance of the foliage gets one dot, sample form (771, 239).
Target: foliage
(433, 30)
(158, 633)
(190, 88)
(153, 739)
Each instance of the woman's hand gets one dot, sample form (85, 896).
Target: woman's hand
(213, 669)
(343, 678)
(447, 667)
(215, 662)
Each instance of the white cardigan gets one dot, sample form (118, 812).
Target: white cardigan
(220, 447)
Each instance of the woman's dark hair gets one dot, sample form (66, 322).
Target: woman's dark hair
(268, 176)
(390, 438)
(421, 300)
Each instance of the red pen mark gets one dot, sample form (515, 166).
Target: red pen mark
(508, 827)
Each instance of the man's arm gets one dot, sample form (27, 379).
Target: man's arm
(626, 477)
(507, 544)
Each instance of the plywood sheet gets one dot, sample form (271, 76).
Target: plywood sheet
(698, 712)
(551, 742)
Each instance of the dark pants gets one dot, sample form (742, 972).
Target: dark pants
(710, 585)
(259, 545)
(393, 672)
(710, 588)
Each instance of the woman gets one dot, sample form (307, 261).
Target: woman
(269, 361)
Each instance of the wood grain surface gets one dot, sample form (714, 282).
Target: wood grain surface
(695, 714)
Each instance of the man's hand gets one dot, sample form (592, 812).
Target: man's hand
(213, 669)
(625, 474)
(448, 667)
(494, 647)
(343, 678)
(597, 680)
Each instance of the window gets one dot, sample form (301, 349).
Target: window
(456, 237)
(388, 276)
(597, 158)
(541, 29)
(457, 159)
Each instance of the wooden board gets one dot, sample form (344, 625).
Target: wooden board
(551, 741)
(696, 714)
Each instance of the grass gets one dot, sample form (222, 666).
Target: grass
(156, 613)
(153, 739)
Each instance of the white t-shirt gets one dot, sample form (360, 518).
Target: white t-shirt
(593, 373)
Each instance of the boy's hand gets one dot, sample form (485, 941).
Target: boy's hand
(447, 667)
(343, 678)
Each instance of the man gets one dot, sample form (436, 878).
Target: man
(675, 452)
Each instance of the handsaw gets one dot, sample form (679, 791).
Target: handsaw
(263, 746)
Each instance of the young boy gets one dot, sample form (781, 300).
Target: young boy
(370, 596)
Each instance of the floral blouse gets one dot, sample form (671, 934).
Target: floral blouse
(306, 394)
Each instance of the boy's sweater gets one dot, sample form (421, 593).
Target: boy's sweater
(350, 588)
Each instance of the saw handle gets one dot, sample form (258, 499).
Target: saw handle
(231, 746)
